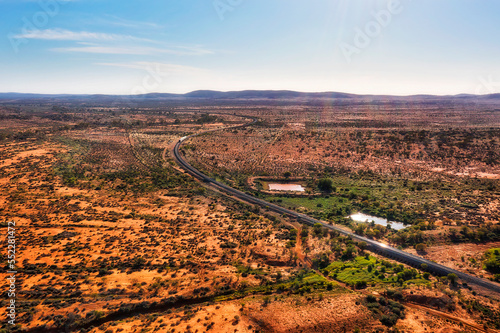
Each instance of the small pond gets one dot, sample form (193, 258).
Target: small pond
(360, 217)
(286, 187)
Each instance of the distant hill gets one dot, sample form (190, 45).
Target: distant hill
(264, 94)
(242, 95)
(492, 96)
(11, 95)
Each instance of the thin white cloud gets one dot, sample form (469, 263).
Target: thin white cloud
(105, 43)
(135, 50)
(62, 34)
(158, 67)
(105, 50)
(118, 21)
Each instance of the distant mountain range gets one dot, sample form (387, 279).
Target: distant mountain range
(242, 95)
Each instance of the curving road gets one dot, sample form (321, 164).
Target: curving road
(375, 246)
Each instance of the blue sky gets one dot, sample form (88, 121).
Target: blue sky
(360, 46)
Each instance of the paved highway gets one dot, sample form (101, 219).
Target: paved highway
(378, 247)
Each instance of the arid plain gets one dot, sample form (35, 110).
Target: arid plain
(112, 236)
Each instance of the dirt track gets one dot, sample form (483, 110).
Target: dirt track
(447, 316)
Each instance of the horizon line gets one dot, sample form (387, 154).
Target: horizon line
(249, 90)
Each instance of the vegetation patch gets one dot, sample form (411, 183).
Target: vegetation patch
(385, 310)
(362, 271)
(492, 262)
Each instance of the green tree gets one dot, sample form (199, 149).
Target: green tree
(325, 184)
(349, 252)
(452, 277)
(318, 229)
(493, 266)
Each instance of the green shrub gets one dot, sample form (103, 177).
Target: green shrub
(325, 185)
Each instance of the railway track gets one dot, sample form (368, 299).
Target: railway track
(372, 245)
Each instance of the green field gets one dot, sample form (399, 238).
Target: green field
(364, 271)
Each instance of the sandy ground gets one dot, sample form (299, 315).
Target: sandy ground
(451, 256)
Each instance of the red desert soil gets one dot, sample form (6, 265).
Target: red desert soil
(451, 256)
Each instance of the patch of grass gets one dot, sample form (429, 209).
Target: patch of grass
(363, 192)
(417, 282)
(316, 204)
(314, 278)
(305, 282)
(357, 272)
(361, 271)
(354, 275)
(492, 262)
